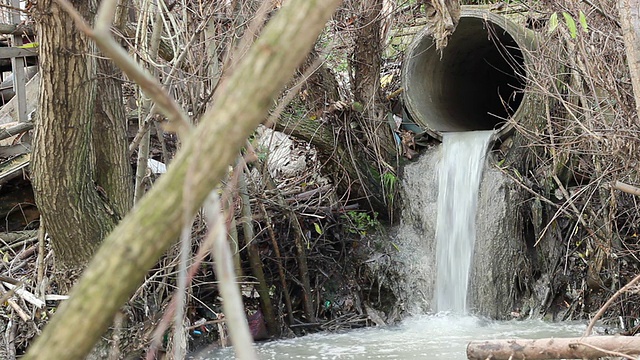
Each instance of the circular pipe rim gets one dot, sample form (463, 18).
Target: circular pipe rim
(523, 38)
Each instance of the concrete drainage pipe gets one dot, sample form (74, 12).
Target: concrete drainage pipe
(476, 83)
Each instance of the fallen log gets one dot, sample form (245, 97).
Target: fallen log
(592, 347)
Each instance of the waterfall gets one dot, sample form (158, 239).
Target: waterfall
(463, 155)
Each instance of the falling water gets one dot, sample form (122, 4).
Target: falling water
(463, 155)
(434, 336)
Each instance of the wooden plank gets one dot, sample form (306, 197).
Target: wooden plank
(14, 150)
(19, 87)
(14, 167)
(12, 52)
(8, 112)
(13, 29)
(18, 63)
(5, 64)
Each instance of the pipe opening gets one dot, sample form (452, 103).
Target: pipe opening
(476, 84)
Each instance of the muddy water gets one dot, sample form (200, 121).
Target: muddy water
(428, 336)
(420, 337)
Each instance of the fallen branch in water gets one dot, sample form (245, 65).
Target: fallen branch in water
(567, 348)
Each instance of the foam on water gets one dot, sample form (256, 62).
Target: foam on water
(446, 334)
(463, 155)
(420, 337)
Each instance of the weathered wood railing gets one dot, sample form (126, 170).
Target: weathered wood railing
(18, 56)
(14, 114)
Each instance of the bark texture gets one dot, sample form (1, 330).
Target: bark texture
(142, 237)
(367, 60)
(376, 138)
(630, 21)
(592, 347)
(76, 211)
(443, 17)
(110, 143)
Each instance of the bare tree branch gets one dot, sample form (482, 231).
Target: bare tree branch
(606, 305)
(126, 255)
(178, 119)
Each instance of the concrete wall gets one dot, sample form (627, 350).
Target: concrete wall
(497, 273)
(499, 264)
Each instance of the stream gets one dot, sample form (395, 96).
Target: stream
(441, 336)
(419, 337)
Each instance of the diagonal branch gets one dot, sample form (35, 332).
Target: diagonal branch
(101, 34)
(126, 255)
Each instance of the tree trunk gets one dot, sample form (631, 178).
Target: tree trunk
(367, 63)
(110, 141)
(254, 257)
(377, 139)
(366, 57)
(630, 21)
(78, 209)
(145, 234)
(112, 169)
(321, 87)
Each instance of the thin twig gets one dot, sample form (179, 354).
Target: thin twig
(13, 8)
(10, 337)
(114, 352)
(178, 119)
(18, 244)
(7, 295)
(40, 263)
(606, 305)
(21, 313)
(167, 83)
(293, 91)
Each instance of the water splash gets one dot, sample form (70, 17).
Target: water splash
(419, 337)
(463, 155)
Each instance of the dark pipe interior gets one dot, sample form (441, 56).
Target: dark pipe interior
(475, 85)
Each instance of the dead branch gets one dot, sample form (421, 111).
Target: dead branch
(15, 130)
(629, 189)
(234, 311)
(101, 34)
(278, 258)
(604, 307)
(133, 247)
(13, 29)
(568, 348)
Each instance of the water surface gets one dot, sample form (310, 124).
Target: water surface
(420, 337)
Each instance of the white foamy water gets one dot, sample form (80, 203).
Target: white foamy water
(463, 155)
(446, 334)
(420, 337)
